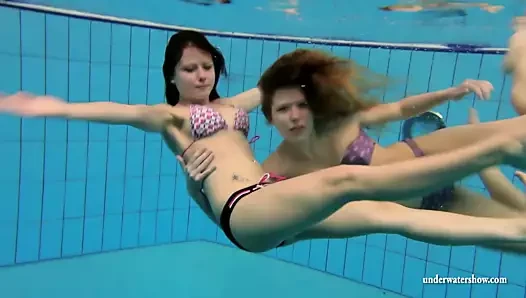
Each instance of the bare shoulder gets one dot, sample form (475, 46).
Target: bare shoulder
(345, 127)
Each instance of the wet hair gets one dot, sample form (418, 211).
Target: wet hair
(334, 88)
(173, 53)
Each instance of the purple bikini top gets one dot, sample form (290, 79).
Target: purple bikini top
(360, 151)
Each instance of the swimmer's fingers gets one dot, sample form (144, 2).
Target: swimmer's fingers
(202, 169)
(521, 176)
(197, 158)
(181, 160)
(473, 117)
(482, 89)
(486, 88)
(202, 175)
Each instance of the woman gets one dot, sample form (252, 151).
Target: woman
(255, 211)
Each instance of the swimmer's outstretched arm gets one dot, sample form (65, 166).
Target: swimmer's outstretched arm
(144, 117)
(415, 105)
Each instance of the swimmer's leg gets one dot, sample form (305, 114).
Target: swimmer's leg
(502, 191)
(452, 138)
(280, 211)
(435, 227)
(499, 187)
(470, 203)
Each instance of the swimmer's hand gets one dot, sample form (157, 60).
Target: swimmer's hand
(199, 164)
(481, 88)
(28, 105)
(148, 118)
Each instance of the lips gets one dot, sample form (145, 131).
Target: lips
(296, 128)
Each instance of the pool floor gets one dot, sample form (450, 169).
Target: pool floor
(182, 270)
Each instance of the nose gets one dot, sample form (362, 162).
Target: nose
(294, 113)
(201, 74)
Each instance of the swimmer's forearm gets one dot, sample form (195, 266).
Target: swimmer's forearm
(415, 105)
(248, 100)
(107, 112)
(422, 176)
(404, 109)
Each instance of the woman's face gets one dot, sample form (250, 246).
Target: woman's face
(291, 114)
(194, 76)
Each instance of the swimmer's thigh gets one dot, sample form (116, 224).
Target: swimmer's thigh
(265, 218)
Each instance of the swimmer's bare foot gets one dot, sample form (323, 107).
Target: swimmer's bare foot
(513, 145)
(517, 45)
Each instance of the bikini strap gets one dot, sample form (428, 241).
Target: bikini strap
(269, 178)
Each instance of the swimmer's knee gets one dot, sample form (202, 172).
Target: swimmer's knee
(390, 217)
(256, 241)
(346, 179)
(259, 245)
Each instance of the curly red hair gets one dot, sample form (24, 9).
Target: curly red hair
(333, 87)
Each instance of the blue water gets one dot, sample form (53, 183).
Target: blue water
(341, 19)
(117, 188)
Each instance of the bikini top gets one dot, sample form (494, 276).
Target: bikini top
(360, 151)
(205, 121)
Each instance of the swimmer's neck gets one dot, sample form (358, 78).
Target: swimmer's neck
(306, 148)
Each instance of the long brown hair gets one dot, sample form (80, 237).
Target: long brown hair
(333, 87)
